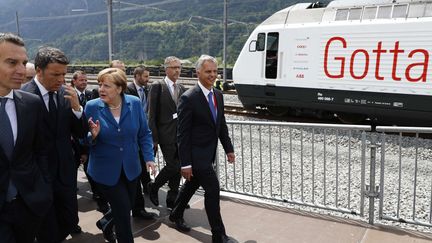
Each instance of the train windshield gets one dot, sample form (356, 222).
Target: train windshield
(272, 55)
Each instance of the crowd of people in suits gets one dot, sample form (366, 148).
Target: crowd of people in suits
(114, 132)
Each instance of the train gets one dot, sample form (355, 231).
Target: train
(358, 60)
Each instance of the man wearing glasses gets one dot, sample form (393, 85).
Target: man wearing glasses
(162, 114)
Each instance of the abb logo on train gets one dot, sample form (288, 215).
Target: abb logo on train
(414, 72)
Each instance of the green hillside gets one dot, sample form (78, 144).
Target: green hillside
(144, 30)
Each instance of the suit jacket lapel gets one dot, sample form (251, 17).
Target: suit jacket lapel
(20, 116)
(167, 94)
(126, 109)
(106, 113)
(219, 106)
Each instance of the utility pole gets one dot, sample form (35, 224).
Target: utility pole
(110, 35)
(17, 23)
(225, 22)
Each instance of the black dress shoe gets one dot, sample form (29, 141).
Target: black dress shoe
(222, 239)
(107, 232)
(180, 224)
(171, 205)
(142, 214)
(76, 230)
(153, 193)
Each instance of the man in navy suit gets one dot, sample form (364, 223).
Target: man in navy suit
(65, 120)
(25, 191)
(201, 122)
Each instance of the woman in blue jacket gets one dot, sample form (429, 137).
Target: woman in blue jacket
(119, 130)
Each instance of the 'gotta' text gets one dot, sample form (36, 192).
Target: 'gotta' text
(412, 73)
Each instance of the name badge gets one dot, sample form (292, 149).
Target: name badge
(174, 116)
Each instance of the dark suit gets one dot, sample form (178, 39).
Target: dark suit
(28, 170)
(63, 218)
(163, 124)
(198, 139)
(145, 176)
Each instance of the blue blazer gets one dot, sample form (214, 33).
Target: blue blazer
(117, 145)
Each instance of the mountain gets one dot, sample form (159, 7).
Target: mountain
(143, 30)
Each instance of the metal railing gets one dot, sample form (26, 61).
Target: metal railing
(405, 175)
(311, 165)
(324, 166)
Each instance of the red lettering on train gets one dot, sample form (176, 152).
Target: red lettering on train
(342, 59)
(366, 67)
(360, 69)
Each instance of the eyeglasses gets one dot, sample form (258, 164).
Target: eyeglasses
(175, 67)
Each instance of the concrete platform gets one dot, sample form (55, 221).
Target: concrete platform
(246, 222)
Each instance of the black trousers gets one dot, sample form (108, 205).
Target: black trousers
(121, 197)
(62, 218)
(18, 224)
(141, 185)
(170, 172)
(208, 180)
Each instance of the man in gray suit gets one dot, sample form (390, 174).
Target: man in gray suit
(162, 113)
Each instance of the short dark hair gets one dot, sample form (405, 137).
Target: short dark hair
(139, 71)
(12, 38)
(47, 55)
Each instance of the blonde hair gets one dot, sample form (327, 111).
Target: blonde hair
(117, 75)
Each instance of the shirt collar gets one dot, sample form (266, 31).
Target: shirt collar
(137, 86)
(204, 89)
(9, 96)
(78, 92)
(169, 82)
(42, 89)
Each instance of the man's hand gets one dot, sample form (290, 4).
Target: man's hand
(231, 157)
(72, 96)
(150, 166)
(83, 158)
(187, 173)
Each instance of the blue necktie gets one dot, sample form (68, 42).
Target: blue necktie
(212, 106)
(7, 143)
(143, 99)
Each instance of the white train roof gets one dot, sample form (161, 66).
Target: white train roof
(351, 3)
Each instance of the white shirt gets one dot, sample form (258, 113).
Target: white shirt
(45, 96)
(138, 89)
(11, 112)
(170, 85)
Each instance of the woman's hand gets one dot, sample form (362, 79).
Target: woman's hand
(94, 127)
(151, 167)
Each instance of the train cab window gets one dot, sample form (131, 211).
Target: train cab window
(341, 14)
(369, 13)
(355, 13)
(260, 44)
(384, 12)
(399, 11)
(428, 10)
(416, 10)
(272, 55)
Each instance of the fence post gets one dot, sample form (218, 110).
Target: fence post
(371, 189)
